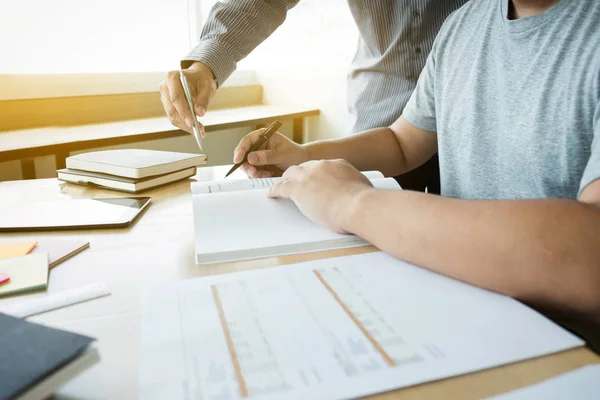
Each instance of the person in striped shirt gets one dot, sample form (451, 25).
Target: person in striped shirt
(395, 37)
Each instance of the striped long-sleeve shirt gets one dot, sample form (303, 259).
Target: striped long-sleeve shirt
(395, 37)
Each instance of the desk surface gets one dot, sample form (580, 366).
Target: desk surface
(159, 247)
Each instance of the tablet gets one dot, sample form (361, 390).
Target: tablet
(71, 214)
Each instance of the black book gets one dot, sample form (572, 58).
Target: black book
(35, 359)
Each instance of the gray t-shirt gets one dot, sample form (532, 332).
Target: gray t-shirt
(515, 103)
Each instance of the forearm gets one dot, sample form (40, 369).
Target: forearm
(375, 149)
(233, 29)
(544, 252)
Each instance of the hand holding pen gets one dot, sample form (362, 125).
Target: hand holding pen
(274, 156)
(202, 87)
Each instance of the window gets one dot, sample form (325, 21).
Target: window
(316, 34)
(63, 41)
(90, 36)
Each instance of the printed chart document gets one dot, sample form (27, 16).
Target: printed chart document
(580, 384)
(335, 328)
(234, 220)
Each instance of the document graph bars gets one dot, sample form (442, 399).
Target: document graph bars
(382, 337)
(255, 366)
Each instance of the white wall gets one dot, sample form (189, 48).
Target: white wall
(75, 36)
(306, 62)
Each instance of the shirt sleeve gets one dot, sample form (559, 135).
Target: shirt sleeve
(592, 169)
(233, 29)
(420, 109)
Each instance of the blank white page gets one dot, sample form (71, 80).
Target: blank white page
(234, 221)
(242, 220)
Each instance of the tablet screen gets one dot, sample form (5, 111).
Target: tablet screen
(72, 213)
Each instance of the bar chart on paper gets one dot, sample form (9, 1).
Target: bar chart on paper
(333, 328)
(377, 331)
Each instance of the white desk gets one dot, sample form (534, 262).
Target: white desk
(159, 247)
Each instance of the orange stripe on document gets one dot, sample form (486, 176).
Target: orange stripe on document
(230, 346)
(364, 330)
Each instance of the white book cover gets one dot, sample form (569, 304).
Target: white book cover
(134, 163)
(335, 328)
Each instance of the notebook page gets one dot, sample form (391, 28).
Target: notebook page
(244, 220)
(230, 185)
(237, 221)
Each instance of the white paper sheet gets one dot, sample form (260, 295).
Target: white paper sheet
(334, 328)
(580, 384)
(237, 221)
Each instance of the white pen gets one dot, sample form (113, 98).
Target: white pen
(188, 96)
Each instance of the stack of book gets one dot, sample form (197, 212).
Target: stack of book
(130, 170)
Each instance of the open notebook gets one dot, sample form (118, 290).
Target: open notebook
(234, 220)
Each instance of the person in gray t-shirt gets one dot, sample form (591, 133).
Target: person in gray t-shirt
(510, 97)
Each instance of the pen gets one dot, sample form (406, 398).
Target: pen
(188, 96)
(262, 139)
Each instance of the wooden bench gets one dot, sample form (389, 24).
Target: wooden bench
(25, 144)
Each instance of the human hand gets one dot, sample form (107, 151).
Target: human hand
(203, 88)
(325, 191)
(277, 154)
